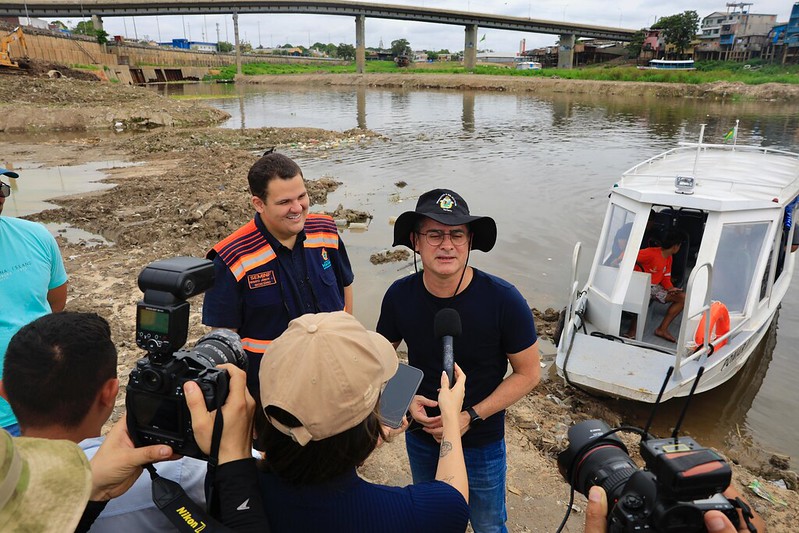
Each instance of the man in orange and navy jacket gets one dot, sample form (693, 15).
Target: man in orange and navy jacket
(282, 264)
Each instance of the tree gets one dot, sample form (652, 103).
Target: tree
(224, 46)
(432, 56)
(84, 27)
(401, 47)
(636, 43)
(346, 51)
(101, 35)
(679, 30)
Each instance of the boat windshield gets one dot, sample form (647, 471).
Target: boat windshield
(739, 248)
(621, 222)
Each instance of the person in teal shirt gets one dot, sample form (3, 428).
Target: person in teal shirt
(33, 281)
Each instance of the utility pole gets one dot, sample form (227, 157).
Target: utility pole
(217, 34)
(238, 47)
(183, 18)
(259, 35)
(135, 33)
(158, 25)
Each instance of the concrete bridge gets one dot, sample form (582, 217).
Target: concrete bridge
(471, 21)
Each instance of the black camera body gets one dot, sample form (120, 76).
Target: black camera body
(682, 480)
(156, 407)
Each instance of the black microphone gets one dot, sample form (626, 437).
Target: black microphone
(447, 324)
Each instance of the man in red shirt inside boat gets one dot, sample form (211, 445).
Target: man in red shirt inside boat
(657, 262)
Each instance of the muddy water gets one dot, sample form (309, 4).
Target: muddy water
(38, 184)
(541, 166)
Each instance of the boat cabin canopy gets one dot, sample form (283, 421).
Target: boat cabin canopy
(741, 228)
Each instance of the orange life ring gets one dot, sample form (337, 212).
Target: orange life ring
(719, 325)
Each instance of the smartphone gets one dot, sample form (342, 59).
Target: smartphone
(397, 395)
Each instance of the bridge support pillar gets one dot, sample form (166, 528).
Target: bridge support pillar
(97, 22)
(360, 44)
(236, 39)
(566, 51)
(470, 47)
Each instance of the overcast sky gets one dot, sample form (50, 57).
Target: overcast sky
(272, 30)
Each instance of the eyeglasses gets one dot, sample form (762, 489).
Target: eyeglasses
(435, 237)
(5, 190)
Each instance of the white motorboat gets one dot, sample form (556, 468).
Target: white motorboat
(734, 207)
(670, 64)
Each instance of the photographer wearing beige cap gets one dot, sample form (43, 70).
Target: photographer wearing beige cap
(320, 385)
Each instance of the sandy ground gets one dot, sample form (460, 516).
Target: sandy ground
(171, 205)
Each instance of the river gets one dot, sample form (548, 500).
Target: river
(541, 166)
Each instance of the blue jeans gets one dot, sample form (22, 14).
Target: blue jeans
(486, 468)
(13, 430)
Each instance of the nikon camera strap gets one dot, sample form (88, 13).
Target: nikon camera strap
(181, 510)
(173, 501)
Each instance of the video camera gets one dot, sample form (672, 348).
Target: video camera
(682, 480)
(156, 407)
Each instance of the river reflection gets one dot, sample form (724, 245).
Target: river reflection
(541, 165)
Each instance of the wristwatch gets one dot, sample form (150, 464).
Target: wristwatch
(474, 418)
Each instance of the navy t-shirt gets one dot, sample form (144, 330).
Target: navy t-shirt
(349, 503)
(495, 320)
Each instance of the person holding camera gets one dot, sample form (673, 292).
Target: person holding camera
(282, 264)
(596, 515)
(320, 388)
(49, 485)
(33, 281)
(61, 380)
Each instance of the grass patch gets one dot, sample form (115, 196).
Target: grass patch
(706, 72)
(79, 66)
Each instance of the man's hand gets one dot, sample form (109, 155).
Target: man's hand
(463, 421)
(419, 413)
(596, 514)
(118, 463)
(238, 411)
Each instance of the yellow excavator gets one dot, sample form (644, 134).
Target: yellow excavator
(5, 47)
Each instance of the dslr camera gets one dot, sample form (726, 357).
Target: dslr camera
(156, 407)
(681, 481)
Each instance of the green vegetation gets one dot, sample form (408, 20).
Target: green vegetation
(87, 67)
(706, 72)
(679, 30)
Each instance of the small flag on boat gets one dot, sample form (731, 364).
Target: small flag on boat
(729, 135)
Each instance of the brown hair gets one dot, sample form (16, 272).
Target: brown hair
(270, 167)
(317, 461)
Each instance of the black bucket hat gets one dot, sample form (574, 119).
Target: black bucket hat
(449, 208)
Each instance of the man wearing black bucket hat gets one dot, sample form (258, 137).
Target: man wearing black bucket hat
(497, 328)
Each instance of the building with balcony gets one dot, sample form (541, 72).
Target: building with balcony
(783, 40)
(734, 35)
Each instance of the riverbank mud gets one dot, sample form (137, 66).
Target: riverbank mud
(179, 201)
(714, 91)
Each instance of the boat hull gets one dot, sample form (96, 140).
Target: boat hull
(635, 372)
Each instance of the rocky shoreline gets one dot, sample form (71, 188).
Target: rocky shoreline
(148, 217)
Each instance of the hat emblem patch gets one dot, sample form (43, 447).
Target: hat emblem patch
(446, 202)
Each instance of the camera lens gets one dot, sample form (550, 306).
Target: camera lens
(221, 346)
(151, 380)
(590, 461)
